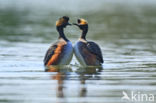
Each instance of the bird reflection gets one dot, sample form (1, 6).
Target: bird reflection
(63, 73)
(86, 73)
(60, 77)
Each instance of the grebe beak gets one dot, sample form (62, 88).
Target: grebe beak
(75, 24)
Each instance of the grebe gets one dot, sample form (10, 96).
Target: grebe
(61, 52)
(88, 53)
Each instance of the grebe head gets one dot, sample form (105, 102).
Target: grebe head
(63, 22)
(82, 24)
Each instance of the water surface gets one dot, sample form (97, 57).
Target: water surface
(125, 31)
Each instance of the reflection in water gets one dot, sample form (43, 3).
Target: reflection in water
(63, 72)
(86, 73)
(60, 77)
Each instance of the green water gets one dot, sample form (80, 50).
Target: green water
(125, 31)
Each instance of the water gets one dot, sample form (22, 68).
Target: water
(125, 31)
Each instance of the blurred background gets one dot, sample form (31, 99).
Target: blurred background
(124, 29)
(34, 21)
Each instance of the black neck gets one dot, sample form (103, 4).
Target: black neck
(83, 35)
(61, 33)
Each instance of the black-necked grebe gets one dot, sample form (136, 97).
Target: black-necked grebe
(61, 52)
(88, 53)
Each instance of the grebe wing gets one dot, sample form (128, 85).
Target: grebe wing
(95, 49)
(49, 53)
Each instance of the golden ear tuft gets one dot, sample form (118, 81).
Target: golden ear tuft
(62, 21)
(82, 21)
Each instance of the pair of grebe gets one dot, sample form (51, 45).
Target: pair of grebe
(60, 53)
